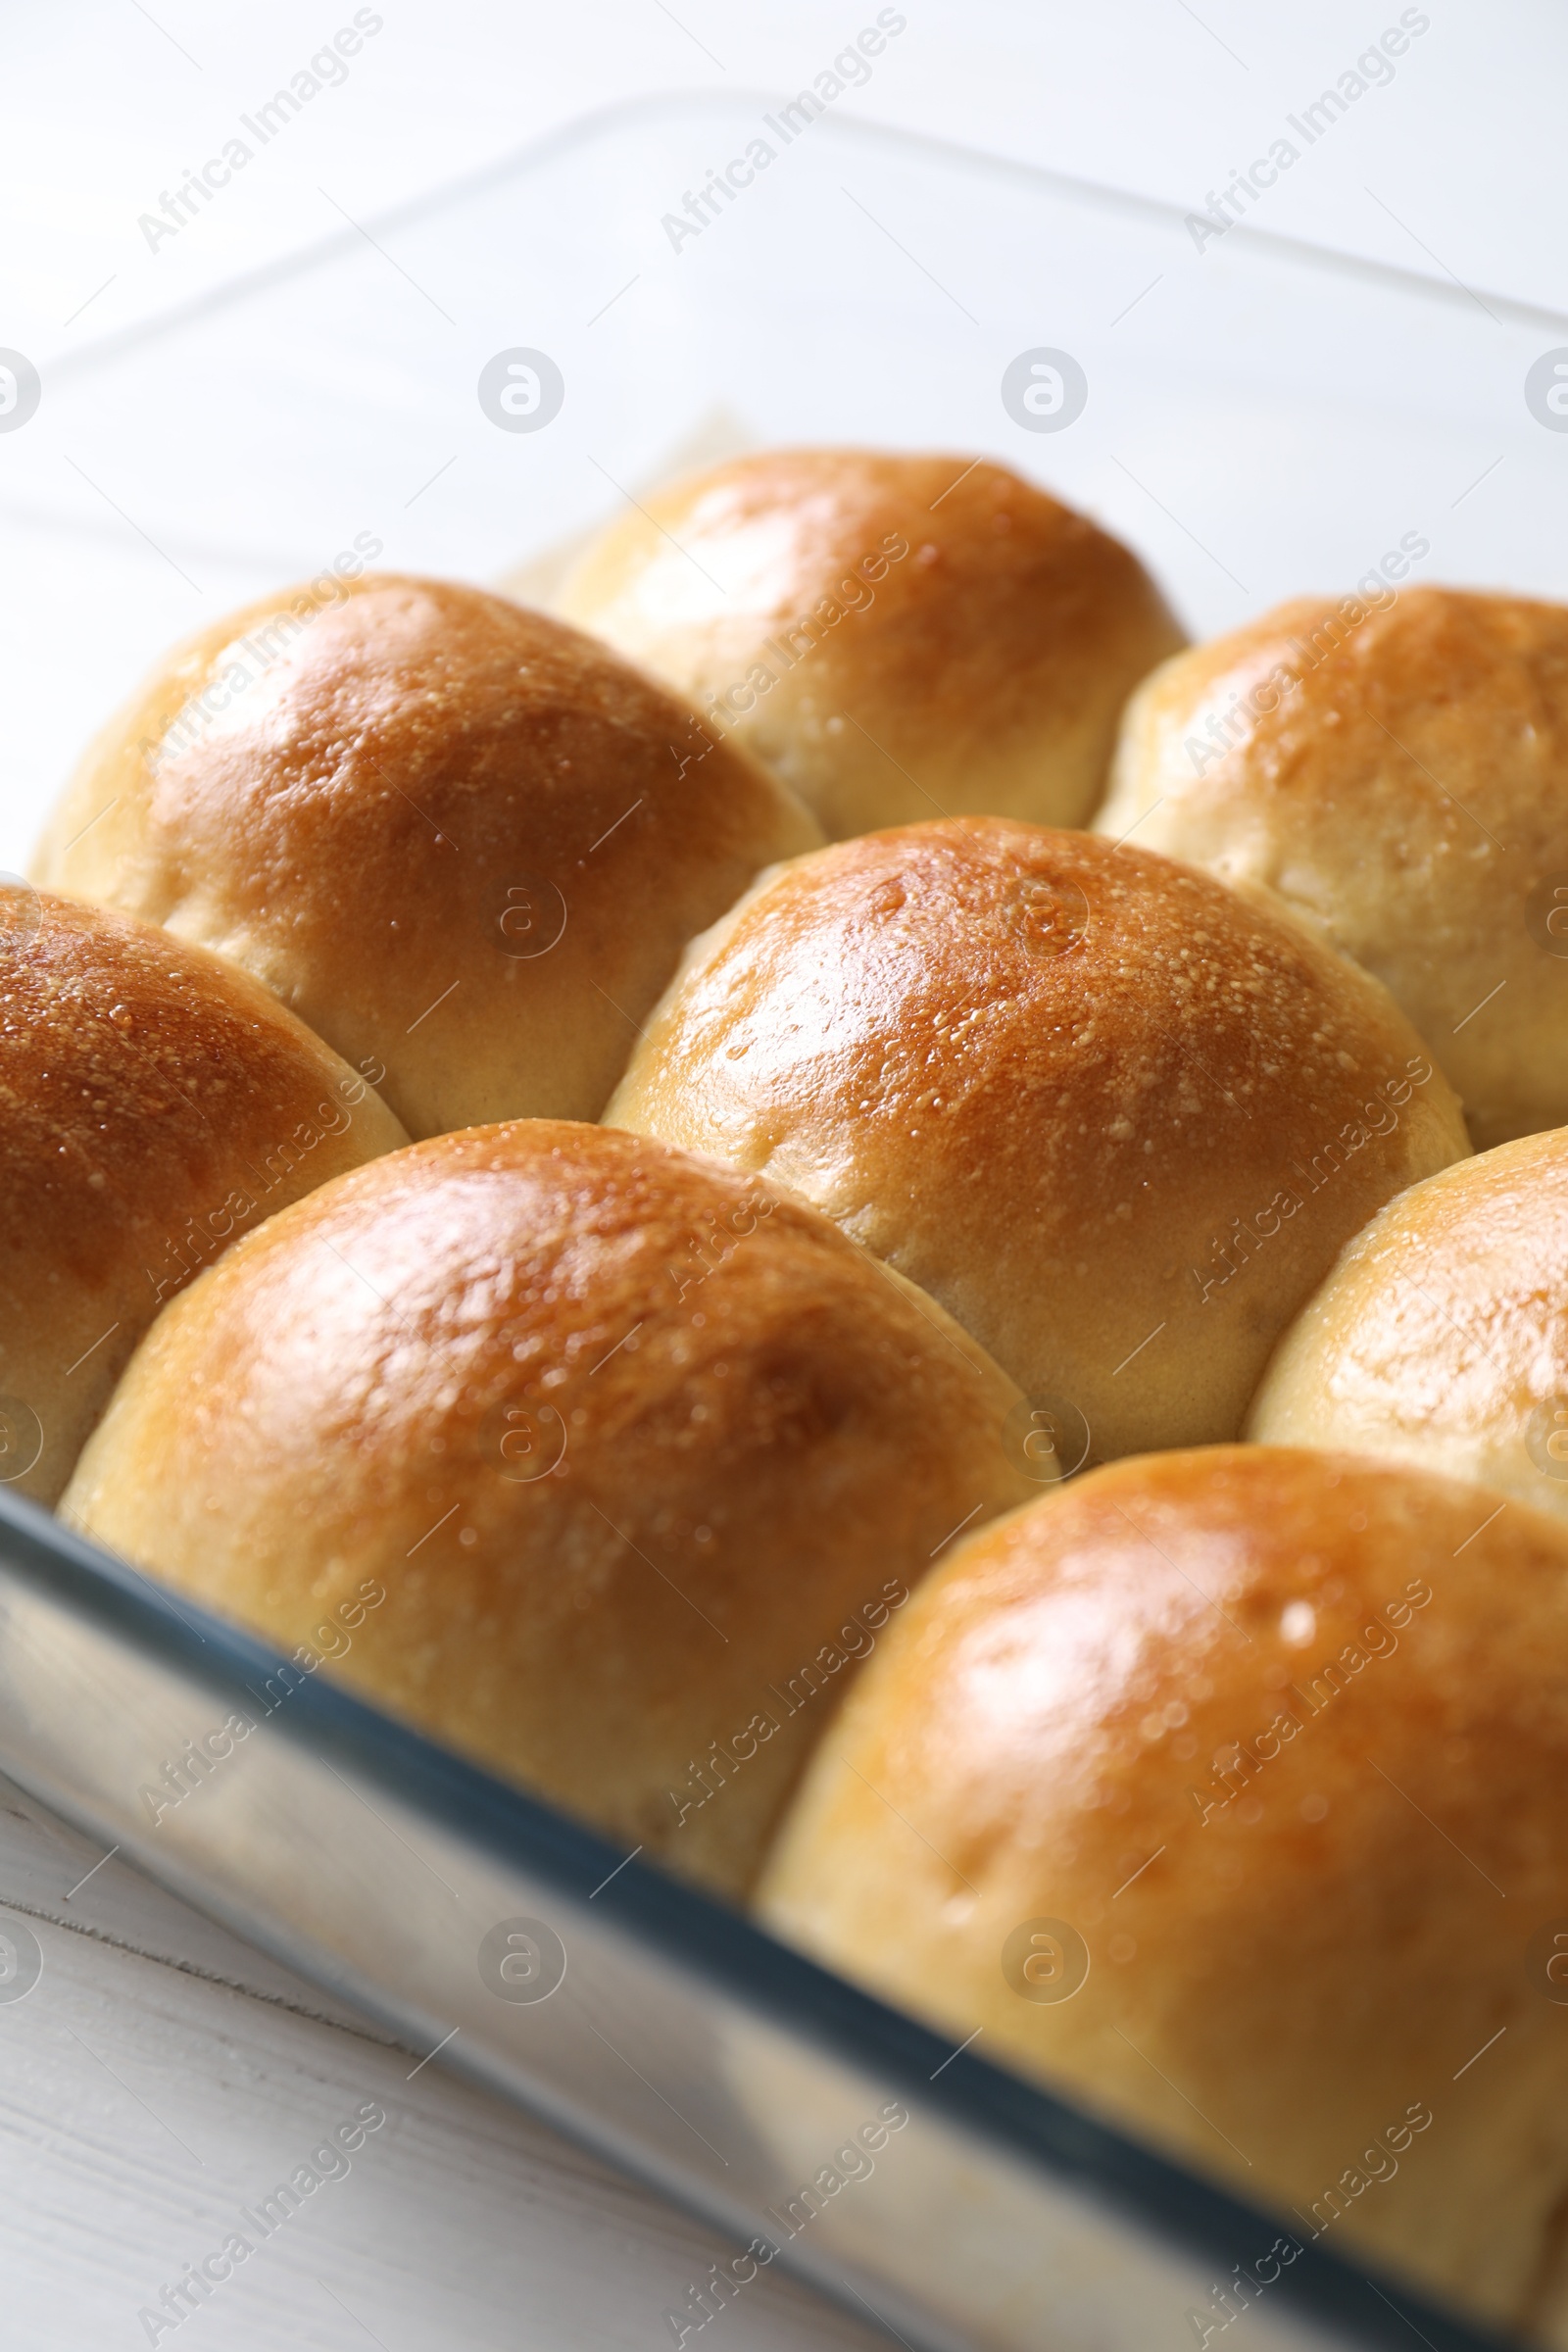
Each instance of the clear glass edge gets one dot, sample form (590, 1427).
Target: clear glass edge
(583, 129)
(696, 1935)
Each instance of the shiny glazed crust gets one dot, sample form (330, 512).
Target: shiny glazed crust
(1441, 1337)
(155, 1103)
(899, 637)
(639, 1453)
(1402, 780)
(1116, 1118)
(447, 832)
(1225, 1791)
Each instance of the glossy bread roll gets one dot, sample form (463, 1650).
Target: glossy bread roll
(639, 1454)
(447, 832)
(154, 1104)
(1116, 1118)
(1225, 1791)
(1399, 774)
(899, 637)
(1441, 1337)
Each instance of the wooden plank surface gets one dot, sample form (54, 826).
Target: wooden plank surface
(162, 2078)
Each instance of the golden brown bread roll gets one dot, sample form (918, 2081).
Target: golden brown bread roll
(447, 832)
(154, 1104)
(1441, 1337)
(899, 637)
(1225, 1791)
(1116, 1118)
(640, 1454)
(1399, 775)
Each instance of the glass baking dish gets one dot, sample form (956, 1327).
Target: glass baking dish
(1259, 419)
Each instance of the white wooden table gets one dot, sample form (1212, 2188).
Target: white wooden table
(162, 2077)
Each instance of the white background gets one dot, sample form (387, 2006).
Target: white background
(100, 112)
(159, 2075)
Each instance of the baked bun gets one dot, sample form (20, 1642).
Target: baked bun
(154, 1104)
(1399, 776)
(1116, 1118)
(447, 832)
(897, 637)
(1225, 1791)
(623, 1459)
(1441, 1337)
